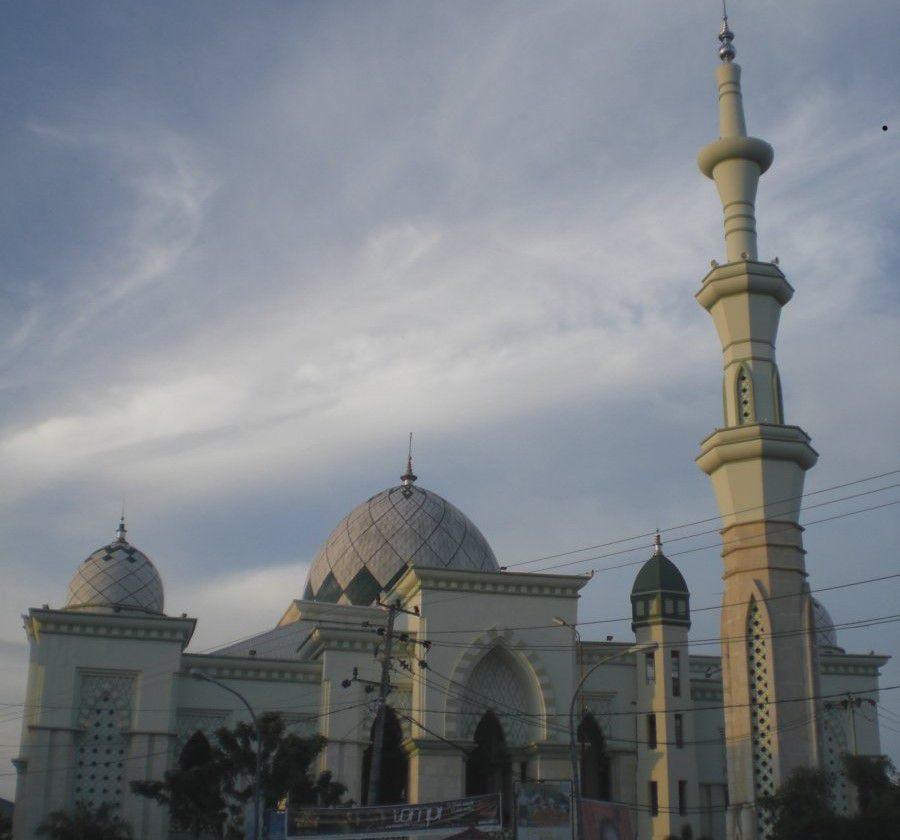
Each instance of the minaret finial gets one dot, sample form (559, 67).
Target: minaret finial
(657, 544)
(408, 478)
(726, 36)
(121, 530)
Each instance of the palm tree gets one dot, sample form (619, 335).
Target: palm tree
(86, 823)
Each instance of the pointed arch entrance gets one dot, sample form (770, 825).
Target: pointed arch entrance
(595, 768)
(489, 766)
(394, 764)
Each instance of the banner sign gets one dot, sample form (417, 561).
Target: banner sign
(544, 810)
(604, 820)
(475, 812)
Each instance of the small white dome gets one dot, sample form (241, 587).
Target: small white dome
(116, 577)
(381, 538)
(826, 635)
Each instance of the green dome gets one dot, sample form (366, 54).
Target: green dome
(659, 574)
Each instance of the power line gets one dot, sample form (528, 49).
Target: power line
(717, 545)
(706, 608)
(708, 519)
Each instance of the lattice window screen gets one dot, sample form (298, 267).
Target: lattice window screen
(104, 714)
(496, 685)
(760, 715)
(745, 396)
(835, 745)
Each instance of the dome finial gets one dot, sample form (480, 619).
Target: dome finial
(726, 36)
(121, 530)
(657, 544)
(408, 477)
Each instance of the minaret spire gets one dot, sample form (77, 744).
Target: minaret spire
(726, 36)
(735, 161)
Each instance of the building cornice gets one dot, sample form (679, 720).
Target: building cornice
(853, 664)
(416, 580)
(253, 668)
(123, 625)
(314, 612)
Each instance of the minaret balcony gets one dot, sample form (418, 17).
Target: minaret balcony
(735, 148)
(744, 277)
(756, 441)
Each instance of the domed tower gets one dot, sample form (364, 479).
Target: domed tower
(757, 464)
(103, 682)
(117, 577)
(403, 526)
(667, 764)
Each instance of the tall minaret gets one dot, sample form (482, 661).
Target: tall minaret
(757, 465)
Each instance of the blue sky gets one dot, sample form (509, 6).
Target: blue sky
(248, 247)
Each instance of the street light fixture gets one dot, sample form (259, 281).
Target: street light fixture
(197, 674)
(576, 778)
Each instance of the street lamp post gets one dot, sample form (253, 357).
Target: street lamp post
(257, 813)
(573, 742)
(576, 779)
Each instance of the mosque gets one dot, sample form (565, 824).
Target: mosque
(679, 737)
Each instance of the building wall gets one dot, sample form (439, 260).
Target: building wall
(135, 672)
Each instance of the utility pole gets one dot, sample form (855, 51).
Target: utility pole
(383, 689)
(384, 685)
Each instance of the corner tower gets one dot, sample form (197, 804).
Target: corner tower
(667, 761)
(757, 464)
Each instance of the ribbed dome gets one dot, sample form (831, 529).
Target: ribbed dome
(659, 574)
(376, 542)
(117, 577)
(826, 635)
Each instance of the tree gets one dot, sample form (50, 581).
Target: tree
(85, 823)
(801, 808)
(878, 795)
(194, 791)
(212, 784)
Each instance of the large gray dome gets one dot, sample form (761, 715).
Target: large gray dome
(116, 577)
(380, 539)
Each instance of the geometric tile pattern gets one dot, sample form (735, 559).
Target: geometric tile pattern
(496, 686)
(835, 726)
(760, 716)
(117, 575)
(104, 714)
(380, 539)
(826, 636)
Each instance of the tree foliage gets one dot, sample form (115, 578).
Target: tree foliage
(212, 784)
(85, 823)
(802, 807)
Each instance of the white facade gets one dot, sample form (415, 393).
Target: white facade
(110, 699)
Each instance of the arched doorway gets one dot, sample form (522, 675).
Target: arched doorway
(488, 767)
(394, 764)
(595, 770)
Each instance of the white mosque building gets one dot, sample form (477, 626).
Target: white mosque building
(111, 699)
